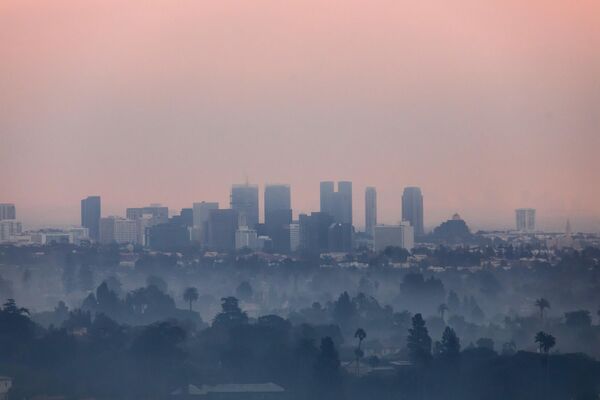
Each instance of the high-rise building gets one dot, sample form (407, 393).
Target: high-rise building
(7, 211)
(246, 238)
(90, 216)
(327, 189)
(294, 232)
(9, 228)
(370, 209)
(118, 230)
(201, 213)
(314, 232)
(340, 237)
(525, 219)
(337, 204)
(222, 225)
(412, 209)
(385, 236)
(171, 236)
(278, 216)
(244, 199)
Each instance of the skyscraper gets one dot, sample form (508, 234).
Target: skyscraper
(412, 209)
(222, 226)
(525, 219)
(244, 199)
(370, 209)
(7, 211)
(90, 216)
(327, 190)
(337, 204)
(278, 216)
(201, 212)
(314, 232)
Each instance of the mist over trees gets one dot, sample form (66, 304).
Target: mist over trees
(76, 322)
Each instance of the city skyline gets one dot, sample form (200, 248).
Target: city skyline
(544, 222)
(486, 107)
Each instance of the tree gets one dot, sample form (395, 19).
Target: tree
(328, 364)
(545, 341)
(450, 345)
(231, 314)
(344, 310)
(190, 295)
(442, 308)
(419, 342)
(360, 334)
(542, 304)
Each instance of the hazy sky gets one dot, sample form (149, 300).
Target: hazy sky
(487, 105)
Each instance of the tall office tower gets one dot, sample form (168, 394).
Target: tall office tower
(294, 232)
(90, 216)
(278, 216)
(222, 225)
(412, 209)
(314, 232)
(370, 209)
(201, 213)
(525, 218)
(7, 211)
(326, 192)
(160, 214)
(337, 204)
(118, 230)
(244, 199)
(344, 203)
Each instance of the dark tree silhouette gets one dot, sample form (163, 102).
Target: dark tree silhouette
(450, 345)
(190, 295)
(419, 342)
(360, 334)
(542, 304)
(545, 341)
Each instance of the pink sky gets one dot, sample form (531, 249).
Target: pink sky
(487, 105)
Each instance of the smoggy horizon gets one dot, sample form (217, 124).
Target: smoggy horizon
(487, 107)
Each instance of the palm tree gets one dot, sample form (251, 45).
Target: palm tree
(542, 304)
(190, 294)
(360, 334)
(442, 309)
(545, 341)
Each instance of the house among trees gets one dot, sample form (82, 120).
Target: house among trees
(231, 391)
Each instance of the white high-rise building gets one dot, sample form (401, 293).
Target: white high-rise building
(246, 238)
(525, 219)
(9, 228)
(294, 237)
(401, 235)
(118, 230)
